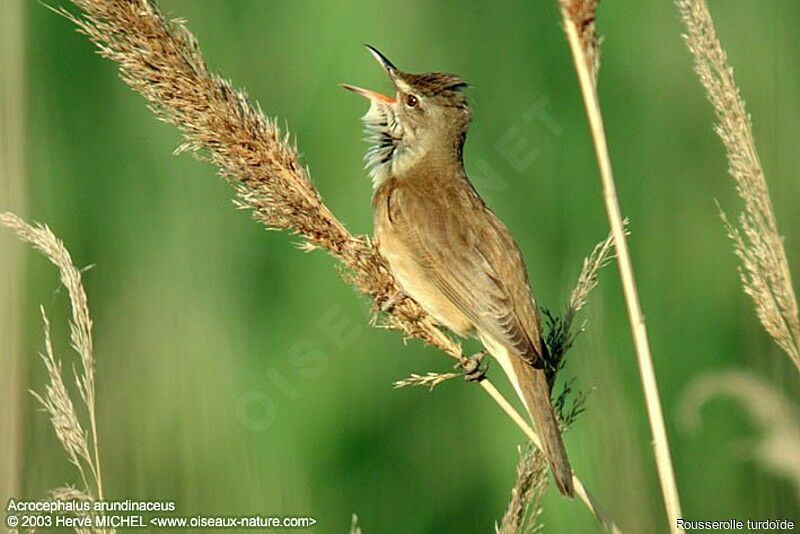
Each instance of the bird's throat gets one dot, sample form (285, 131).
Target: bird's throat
(385, 134)
(398, 149)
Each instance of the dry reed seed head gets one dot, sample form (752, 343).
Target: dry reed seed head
(161, 60)
(43, 239)
(78, 443)
(525, 506)
(601, 256)
(57, 403)
(560, 333)
(429, 380)
(764, 269)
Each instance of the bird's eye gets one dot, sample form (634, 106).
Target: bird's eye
(411, 101)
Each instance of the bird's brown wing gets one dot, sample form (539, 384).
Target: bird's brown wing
(472, 258)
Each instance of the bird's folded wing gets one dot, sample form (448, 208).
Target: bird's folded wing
(473, 260)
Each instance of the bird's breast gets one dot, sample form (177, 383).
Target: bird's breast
(413, 276)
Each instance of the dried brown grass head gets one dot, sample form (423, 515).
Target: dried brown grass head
(160, 59)
(764, 269)
(57, 403)
(79, 440)
(530, 487)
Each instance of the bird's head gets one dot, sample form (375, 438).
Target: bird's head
(427, 116)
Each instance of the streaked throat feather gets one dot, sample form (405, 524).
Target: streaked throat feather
(383, 132)
(391, 151)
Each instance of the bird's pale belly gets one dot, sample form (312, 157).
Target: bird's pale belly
(417, 284)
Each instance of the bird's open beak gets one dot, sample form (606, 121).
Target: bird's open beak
(366, 93)
(374, 95)
(380, 58)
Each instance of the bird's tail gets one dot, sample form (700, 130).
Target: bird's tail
(531, 386)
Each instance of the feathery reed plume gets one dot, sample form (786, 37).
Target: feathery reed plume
(160, 59)
(525, 506)
(602, 254)
(57, 403)
(80, 445)
(764, 268)
(560, 334)
(578, 18)
(429, 380)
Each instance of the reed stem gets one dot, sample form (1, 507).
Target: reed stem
(586, 78)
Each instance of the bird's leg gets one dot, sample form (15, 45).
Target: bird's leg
(392, 301)
(474, 369)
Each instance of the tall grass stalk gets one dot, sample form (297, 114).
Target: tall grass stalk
(579, 24)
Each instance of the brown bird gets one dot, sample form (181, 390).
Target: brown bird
(445, 247)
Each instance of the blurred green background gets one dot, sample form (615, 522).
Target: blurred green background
(237, 375)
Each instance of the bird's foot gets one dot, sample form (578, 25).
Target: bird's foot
(473, 366)
(388, 305)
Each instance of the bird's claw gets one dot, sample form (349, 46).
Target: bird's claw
(473, 366)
